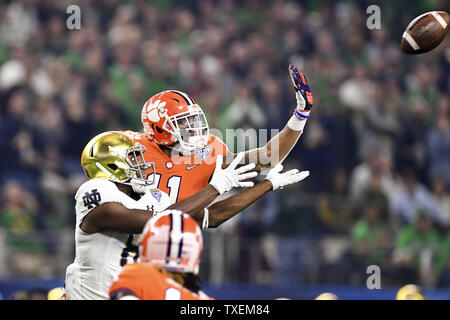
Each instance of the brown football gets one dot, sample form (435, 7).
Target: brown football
(425, 32)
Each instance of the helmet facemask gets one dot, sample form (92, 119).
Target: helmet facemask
(135, 168)
(190, 129)
(138, 168)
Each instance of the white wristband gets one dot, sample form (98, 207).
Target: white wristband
(205, 221)
(296, 124)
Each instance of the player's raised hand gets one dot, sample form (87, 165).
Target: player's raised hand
(303, 93)
(226, 179)
(279, 180)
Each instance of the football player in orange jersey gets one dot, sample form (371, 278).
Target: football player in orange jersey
(177, 139)
(169, 250)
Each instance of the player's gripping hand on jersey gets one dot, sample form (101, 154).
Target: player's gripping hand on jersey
(280, 179)
(303, 93)
(226, 179)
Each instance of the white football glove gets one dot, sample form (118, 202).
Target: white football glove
(226, 179)
(279, 180)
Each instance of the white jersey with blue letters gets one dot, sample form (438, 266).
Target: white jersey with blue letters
(100, 256)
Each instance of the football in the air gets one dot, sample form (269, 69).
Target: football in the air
(425, 32)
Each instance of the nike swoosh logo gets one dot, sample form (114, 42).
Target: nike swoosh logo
(188, 167)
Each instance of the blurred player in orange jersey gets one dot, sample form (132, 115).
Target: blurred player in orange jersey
(169, 250)
(177, 140)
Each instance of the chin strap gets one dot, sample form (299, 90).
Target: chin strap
(111, 176)
(137, 187)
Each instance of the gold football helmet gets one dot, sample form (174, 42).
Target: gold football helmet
(409, 292)
(114, 156)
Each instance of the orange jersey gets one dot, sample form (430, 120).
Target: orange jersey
(181, 176)
(146, 282)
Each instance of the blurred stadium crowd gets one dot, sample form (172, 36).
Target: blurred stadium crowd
(377, 144)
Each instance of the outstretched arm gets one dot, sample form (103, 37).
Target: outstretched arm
(277, 149)
(115, 217)
(224, 210)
